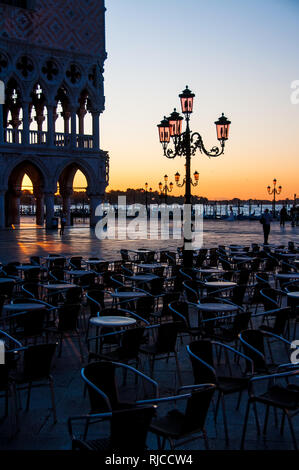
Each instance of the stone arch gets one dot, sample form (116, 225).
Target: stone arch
(14, 191)
(65, 176)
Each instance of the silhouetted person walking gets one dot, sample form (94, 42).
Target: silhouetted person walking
(266, 221)
(283, 216)
(62, 224)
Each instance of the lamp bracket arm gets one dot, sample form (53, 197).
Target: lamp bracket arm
(197, 143)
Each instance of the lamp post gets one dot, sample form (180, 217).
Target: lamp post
(274, 191)
(165, 188)
(186, 143)
(146, 186)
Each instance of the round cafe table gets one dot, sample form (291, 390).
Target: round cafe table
(4, 280)
(209, 270)
(95, 261)
(112, 321)
(242, 258)
(219, 284)
(293, 295)
(143, 277)
(289, 255)
(149, 265)
(27, 267)
(58, 286)
(217, 307)
(287, 276)
(9, 308)
(76, 272)
(127, 295)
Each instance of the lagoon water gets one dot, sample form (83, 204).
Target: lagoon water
(20, 243)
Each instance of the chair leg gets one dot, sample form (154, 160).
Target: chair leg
(256, 419)
(266, 420)
(291, 429)
(245, 425)
(178, 368)
(224, 420)
(53, 398)
(205, 439)
(282, 424)
(28, 396)
(239, 399)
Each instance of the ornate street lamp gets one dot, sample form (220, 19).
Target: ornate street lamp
(186, 144)
(165, 188)
(274, 191)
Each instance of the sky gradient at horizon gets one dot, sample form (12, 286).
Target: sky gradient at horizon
(238, 58)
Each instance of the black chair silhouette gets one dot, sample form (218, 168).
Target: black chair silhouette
(37, 360)
(180, 311)
(123, 438)
(203, 364)
(283, 397)
(163, 347)
(100, 379)
(180, 427)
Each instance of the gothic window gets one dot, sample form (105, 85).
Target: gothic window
(25, 66)
(73, 74)
(50, 70)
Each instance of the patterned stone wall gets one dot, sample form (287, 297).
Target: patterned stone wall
(70, 25)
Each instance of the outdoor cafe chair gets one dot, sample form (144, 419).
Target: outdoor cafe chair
(35, 371)
(104, 391)
(279, 396)
(254, 342)
(231, 378)
(163, 346)
(7, 386)
(180, 311)
(179, 427)
(122, 438)
(127, 351)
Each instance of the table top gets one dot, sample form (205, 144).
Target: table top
(142, 250)
(217, 307)
(287, 276)
(149, 265)
(236, 246)
(293, 294)
(209, 271)
(112, 321)
(77, 272)
(52, 258)
(27, 267)
(289, 255)
(242, 258)
(23, 306)
(95, 261)
(58, 286)
(220, 284)
(143, 277)
(3, 280)
(128, 294)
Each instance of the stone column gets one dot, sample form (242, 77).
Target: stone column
(66, 203)
(73, 128)
(39, 196)
(81, 114)
(96, 129)
(2, 208)
(25, 132)
(14, 207)
(94, 200)
(66, 117)
(51, 128)
(49, 201)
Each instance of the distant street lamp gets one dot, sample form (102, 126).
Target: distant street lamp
(165, 188)
(186, 144)
(274, 191)
(180, 185)
(146, 186)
